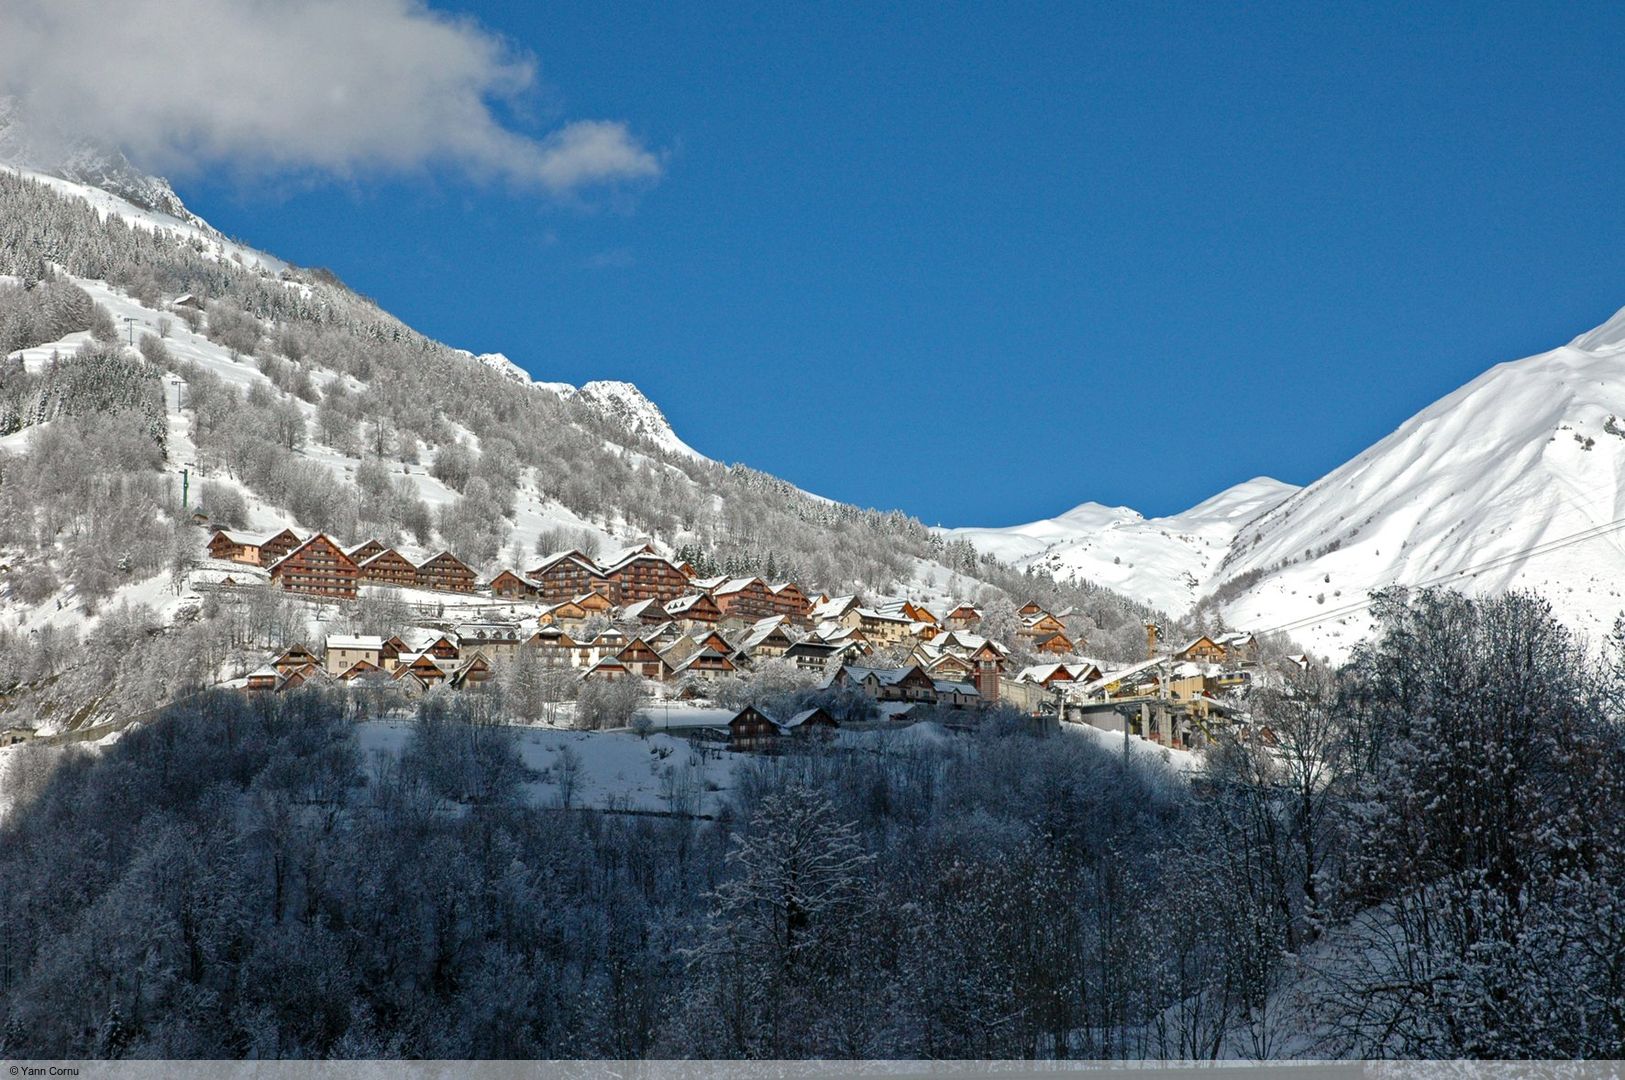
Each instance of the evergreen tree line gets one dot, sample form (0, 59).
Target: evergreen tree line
(1425, 860)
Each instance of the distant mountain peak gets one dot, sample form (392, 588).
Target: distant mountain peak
(28, 145)
(629, 407)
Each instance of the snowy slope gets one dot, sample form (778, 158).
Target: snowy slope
(1492, 487)
(1165, 562)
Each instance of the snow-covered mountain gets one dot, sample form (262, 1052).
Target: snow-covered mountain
(1165, 562)
(635, 413)
(1516, 480)
(621, 402)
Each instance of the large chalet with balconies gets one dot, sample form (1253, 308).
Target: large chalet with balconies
(318, 567)
(643, 575)
(568, 574)
(447, 573)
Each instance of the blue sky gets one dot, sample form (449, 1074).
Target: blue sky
(984, 262)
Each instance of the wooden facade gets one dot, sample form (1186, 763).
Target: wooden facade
(744, 598)
(446, 573)
(695, 608)
(424, 667)
(510, 586)
(1055, 645)
(567, 575)
(788, 600)
(234, 548)
(293, 658)
(362, 552)
(389, 567)
(318, 567)
(277, 546)
(640, 657)
(1204, 650)
(750, 729)
(594, 603)
(645, 576)
(989, 666)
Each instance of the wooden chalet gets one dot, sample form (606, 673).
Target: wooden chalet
(389, 567)
(293, 658)
(564, 613)
(596, 602)
(989, 668)
(550, 639)
(706, 662)
(811, 654)
(920, 613)
(643, 575)
(641, 658)
(390, 652)
(277, 545)
(318, 567)
(694, 608)
(766, 639)
(1050, 676)
(1041, 625)
(422, 666)
(751, 729)
(647, 612)
(810, 723)
(510, 586)
(567, 574)
(1030, 609)
(1057, 644)
(265, 678)
(950, 666)
(446, 573)
(963, 617)
(310, 673)
(362, 552)
(472, 671)
(360, 669)
(788, 600)
(608, 669)
(1204, 650)
(235, 547)
(441, 647)
(743, 598)
(909, 683)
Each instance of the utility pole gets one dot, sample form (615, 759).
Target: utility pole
(186, 487)
(130, 322)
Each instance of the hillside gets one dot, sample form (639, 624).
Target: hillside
(288, 400)
(1516, 480)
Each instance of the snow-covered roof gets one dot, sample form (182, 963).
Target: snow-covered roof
(351, 642)
(800, 718)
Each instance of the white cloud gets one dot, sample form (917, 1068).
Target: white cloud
(340, 86)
